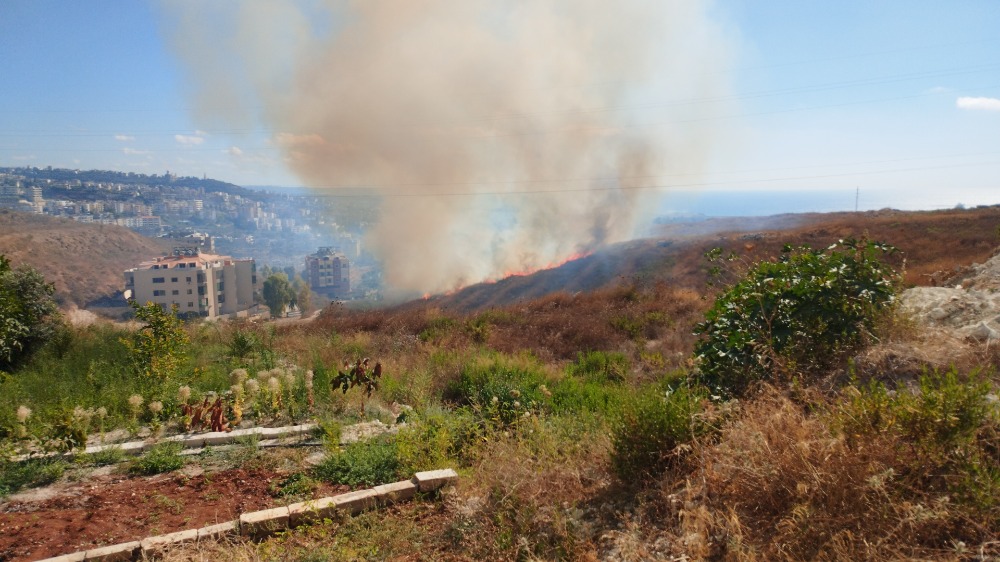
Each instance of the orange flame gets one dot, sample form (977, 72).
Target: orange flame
(550, 265)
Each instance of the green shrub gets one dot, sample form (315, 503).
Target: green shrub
(796, 316)
(365, 463)
(572, 395)
(501, 391)
(946, 432)
(653, 426)
(601, 366)
(437, 439)
(15, 475)
(164, 457)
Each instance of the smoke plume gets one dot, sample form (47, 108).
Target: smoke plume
(504, 135)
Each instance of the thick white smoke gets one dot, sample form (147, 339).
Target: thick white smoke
(506, 135)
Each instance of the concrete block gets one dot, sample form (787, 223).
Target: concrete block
(434, 479)
(215, 438)
(357, 501)
(74, 557)
(156, 546)
(395, 492)
(216, 532)
(311, 511)
(133, 448)
(263, 523)
(115, 553)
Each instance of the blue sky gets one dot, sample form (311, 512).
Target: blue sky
(897, 99)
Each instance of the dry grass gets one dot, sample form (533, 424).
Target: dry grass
(780, 485)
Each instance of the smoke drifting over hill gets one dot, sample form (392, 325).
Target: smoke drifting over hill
(504, 135)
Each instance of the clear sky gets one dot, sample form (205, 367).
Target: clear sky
(899, 99)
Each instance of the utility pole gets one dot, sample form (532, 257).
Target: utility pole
(857, 195)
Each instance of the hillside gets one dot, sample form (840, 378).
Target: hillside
(84, 261)
(935, 244)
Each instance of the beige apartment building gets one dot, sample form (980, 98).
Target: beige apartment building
(205, 285)
(329, 273)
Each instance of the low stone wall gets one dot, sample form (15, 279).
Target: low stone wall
(258, 524)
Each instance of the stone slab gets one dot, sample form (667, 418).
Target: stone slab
(265, 522)
(216, 532)
(115, 553)
(311, 511)
(156, 546)
(434, 479)
(395, 492)
(357, 501)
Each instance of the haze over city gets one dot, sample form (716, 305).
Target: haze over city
(512, 136)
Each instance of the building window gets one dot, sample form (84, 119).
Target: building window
(159, 293)
(189, 291)
(188, 279)
(190, 305)
(183, 265)
(173, 279)
(175, 292)
(157, 279)
(222, 299)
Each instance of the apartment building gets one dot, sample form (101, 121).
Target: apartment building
(205, 285)
(329, 273)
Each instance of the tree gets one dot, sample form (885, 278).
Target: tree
(303, 296)
(158, 345)
(277, 293)
(28, 313)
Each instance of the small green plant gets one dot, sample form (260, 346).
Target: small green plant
(164, 457)
(105, 457)
(795, 316)
(296, 485)
(601, 366)
(158, 346)
(365, 463)
(653, 430)
(501, 391)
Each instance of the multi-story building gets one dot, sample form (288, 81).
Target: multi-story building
(199, 284)
(329, 273)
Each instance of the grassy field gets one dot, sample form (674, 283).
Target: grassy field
(577, 426)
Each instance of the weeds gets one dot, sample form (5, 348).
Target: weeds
(164, 457)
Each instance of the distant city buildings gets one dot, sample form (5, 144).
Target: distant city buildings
(200, 284)
(329, 273)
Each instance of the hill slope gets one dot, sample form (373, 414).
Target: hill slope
(936, 245)
(84, 261)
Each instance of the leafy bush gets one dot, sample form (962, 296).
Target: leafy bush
(653, 426)
(29, 315)
(164, 457)
(798, 315)
(365, 463)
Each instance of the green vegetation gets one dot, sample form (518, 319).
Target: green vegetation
(164, 457)
(28, 314)
(584, 427)
(157, 346)
(797, 316)
(278, 294)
